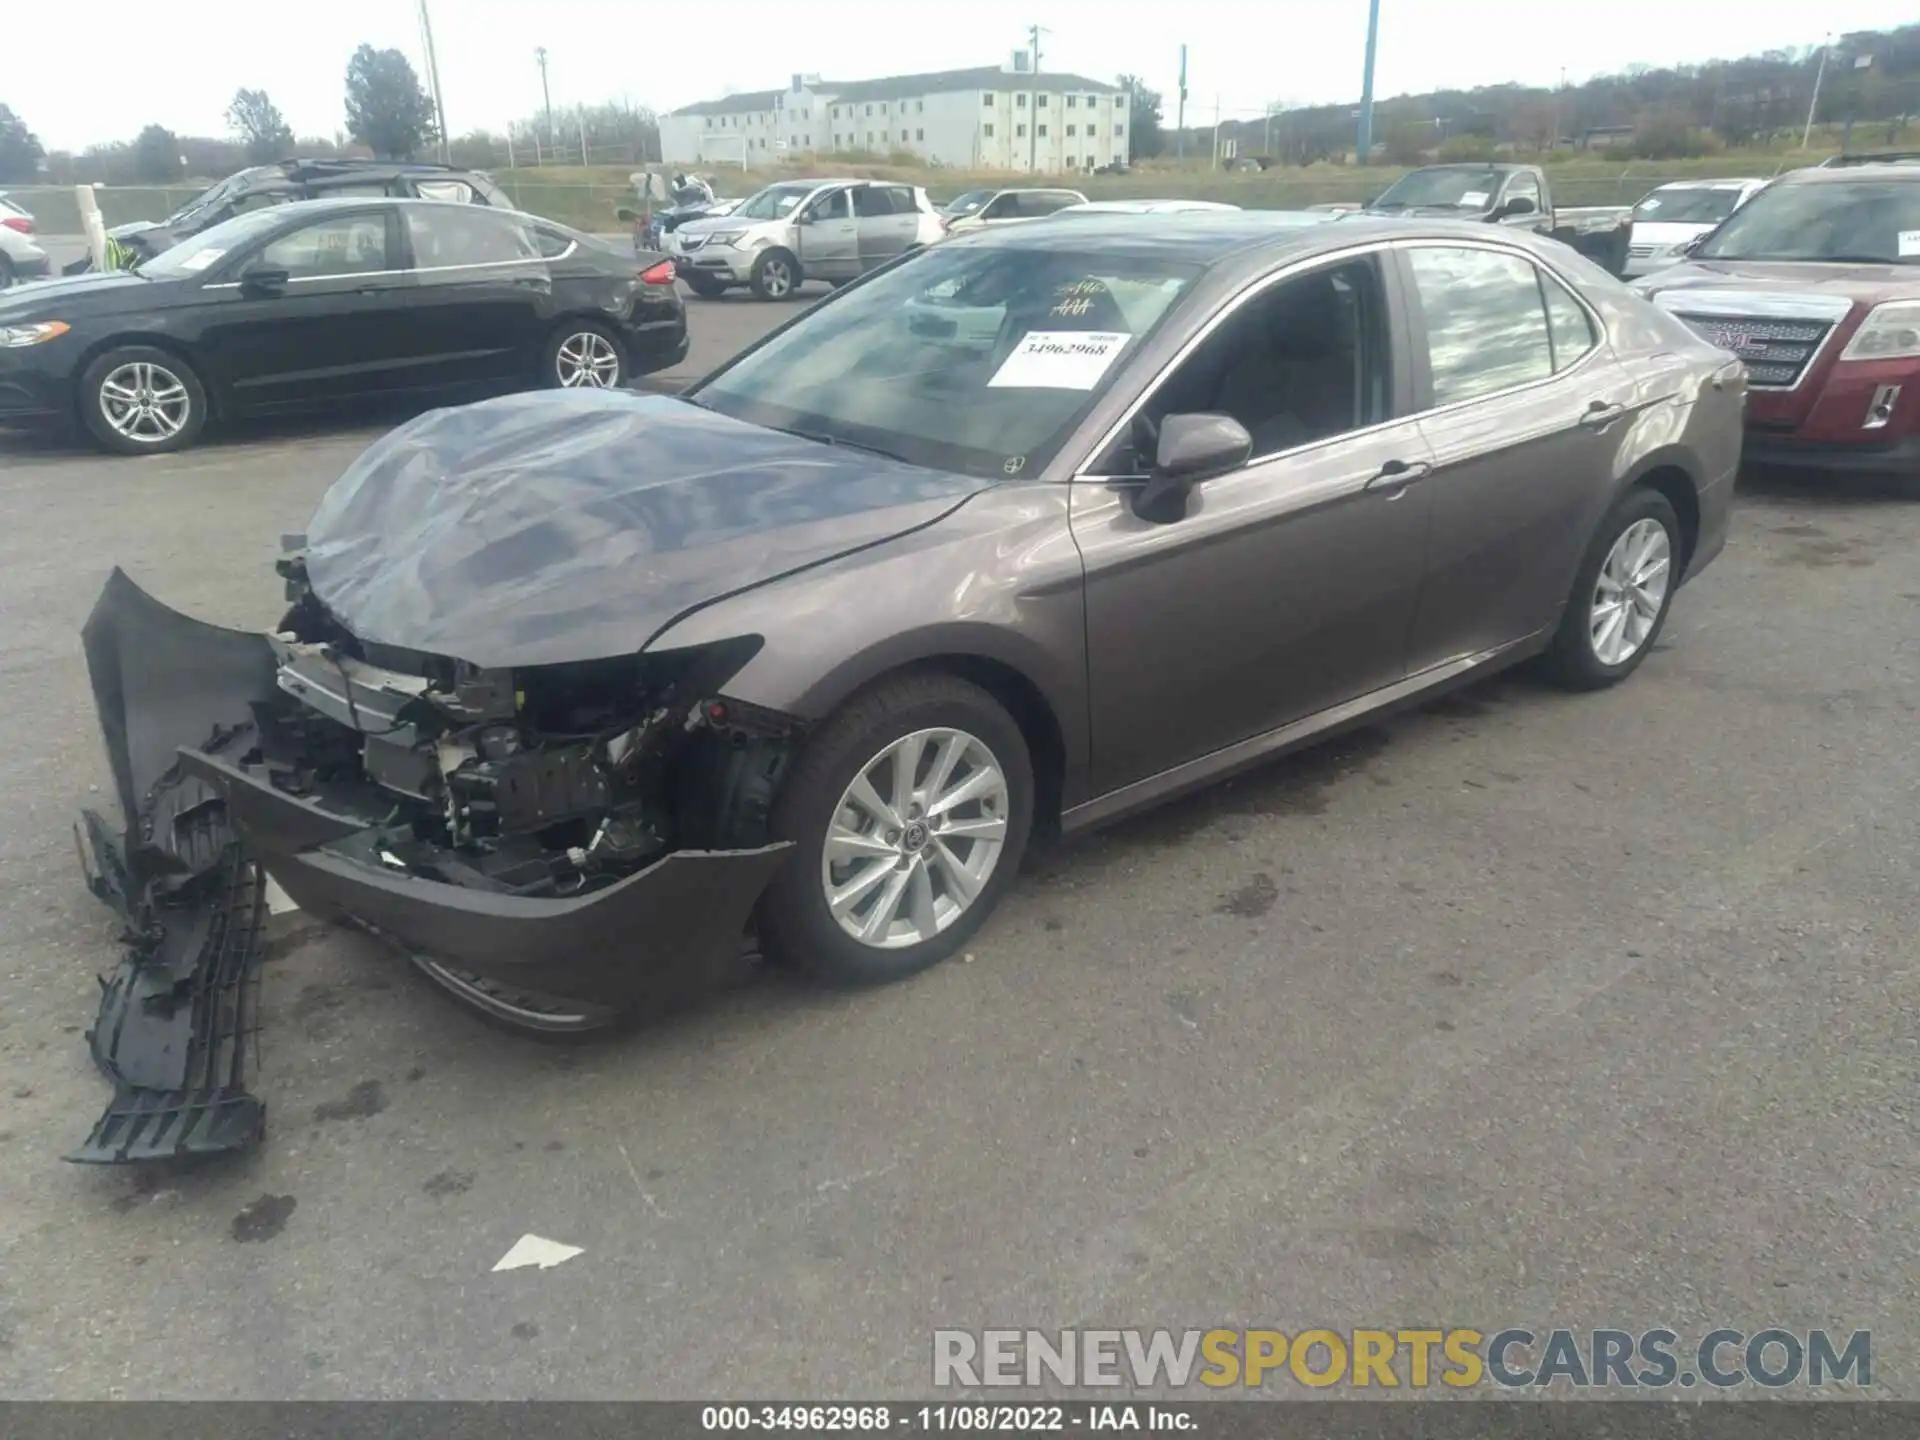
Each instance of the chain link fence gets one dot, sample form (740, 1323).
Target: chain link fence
(590, 199)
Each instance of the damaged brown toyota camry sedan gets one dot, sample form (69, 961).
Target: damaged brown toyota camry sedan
(1012, 537)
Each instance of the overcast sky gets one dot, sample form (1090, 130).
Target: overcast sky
(78, 75)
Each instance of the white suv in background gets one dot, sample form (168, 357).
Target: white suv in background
(978, 209)
(1668, 219)
(20, 258)
(799, 230)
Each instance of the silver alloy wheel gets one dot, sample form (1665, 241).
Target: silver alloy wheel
(145, 402)
(915, 838)
(587, 360)
(1629, 591)
(776, 278)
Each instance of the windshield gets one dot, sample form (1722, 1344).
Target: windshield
(1467, 188)
(1870, 221)
(209, 247)
(1692, 206)
(974, 361)
(775, 202)
(968, 203)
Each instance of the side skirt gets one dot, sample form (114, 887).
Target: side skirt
(1297, 734)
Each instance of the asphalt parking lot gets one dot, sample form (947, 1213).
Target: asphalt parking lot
(1522, 1009)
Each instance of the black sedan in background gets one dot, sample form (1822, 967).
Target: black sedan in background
(326, 302)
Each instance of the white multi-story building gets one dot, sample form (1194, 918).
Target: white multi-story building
(988, 118)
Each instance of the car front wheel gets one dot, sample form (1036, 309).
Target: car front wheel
(776, 275)
(1621, 596)
(139, 401)
(909, 811)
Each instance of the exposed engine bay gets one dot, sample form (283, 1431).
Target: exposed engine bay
(549, 781)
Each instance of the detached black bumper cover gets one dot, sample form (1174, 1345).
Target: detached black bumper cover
(188, 876)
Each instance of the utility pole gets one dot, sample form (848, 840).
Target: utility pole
(553, 136)
(433, 81)
(1559, 99)
(1826, 46)
(1034, 33)
(1180, 113)
(1364, 150)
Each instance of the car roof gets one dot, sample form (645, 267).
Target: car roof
(1840, 174)
(1209, 237)
(1154, 207)
(329, 204)
(1737, 183)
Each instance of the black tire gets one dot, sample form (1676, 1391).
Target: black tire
(578, 346)
(776, 275)
(6, 273)
(1572, 660)
(123, 363)
(706, 289)
(796, 926)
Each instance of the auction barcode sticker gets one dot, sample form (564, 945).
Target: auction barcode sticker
(1060, 360)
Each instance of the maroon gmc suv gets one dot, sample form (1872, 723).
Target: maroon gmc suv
(1815, 284)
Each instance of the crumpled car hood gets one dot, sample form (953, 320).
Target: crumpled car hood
(546, 528)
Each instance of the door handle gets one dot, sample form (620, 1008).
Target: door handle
(1396, 475)
(1600, 415)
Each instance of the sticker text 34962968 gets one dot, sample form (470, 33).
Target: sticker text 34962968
(1060, 360)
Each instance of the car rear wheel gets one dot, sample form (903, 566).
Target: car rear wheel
(908, 811)
(776, 275)
(585, 356)
(139, 401)
(1621, 596)
(6, 273)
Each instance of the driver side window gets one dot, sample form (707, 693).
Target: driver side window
(1306, 360)
(830, 207)
(1004, 207)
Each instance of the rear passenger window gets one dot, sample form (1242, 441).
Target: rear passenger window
(445, 236)
(901, 198)
(870, 201)
(457, 191)
(553, 244)
(1567, 323)
(1485, 320)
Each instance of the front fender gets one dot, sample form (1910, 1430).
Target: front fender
(999, 581)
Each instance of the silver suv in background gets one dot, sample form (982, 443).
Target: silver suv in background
(980, 209)
(800, 230)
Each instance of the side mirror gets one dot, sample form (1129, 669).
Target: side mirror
(1519, 205)
(263, 280)
(1192, 448)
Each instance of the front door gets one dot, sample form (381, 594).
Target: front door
(1526, 410)
(829, 244)
(332, 330)
(1288, 586)
(483, 309)
(887, 219)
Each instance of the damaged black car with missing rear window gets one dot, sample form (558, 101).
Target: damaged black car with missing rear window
(575, 695)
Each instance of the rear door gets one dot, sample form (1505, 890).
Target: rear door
(1525, 410)
(334, 330)
(829, 243)
(484, 297)
(887, 218)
